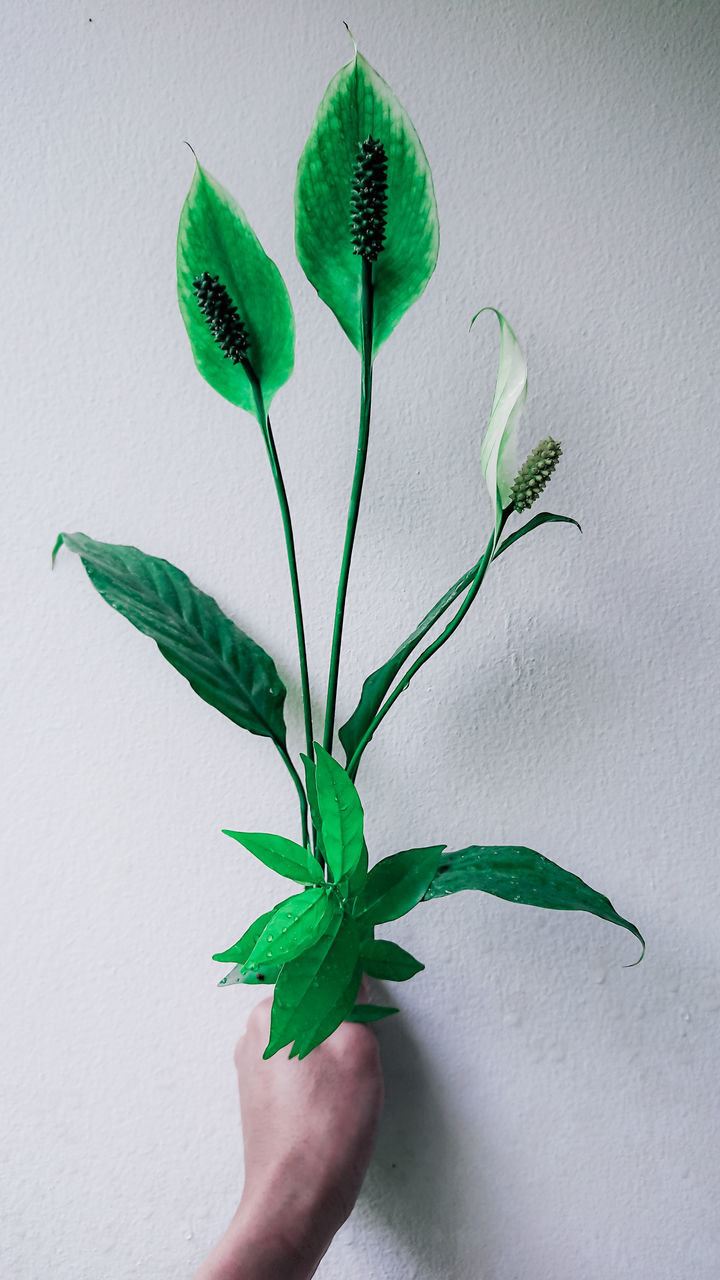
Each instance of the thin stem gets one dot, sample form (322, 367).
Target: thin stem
(430, 650)
(265, 427)
(300, 790)
(355, 496)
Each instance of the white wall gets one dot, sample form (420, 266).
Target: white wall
(550, 1114)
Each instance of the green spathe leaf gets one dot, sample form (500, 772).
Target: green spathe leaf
(359, 105)
(498, 453)
(521, 875)
(214, 236)
(281, 855)
(543, 517)
(316, 991)
(340, 813)
(386, 960)
(295, 924)
(369, 1013)
(222, 664)
(395, 885)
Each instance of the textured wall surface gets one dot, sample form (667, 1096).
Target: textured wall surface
(550, 1114)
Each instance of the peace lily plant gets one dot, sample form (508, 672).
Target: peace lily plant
(367, 240)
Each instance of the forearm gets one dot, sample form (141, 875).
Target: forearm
(253, 1248)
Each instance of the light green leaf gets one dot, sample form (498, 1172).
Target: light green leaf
(543, 517)
(369, 1013)
(341, 815)
(295, 924)
(521, 875)
(358, 105)
(498, 452)
(383, 959)
(281, 855)
(222, 664)
(239, 953)
(316, 991)
(265, 976)
(215, 237)
(395, 885)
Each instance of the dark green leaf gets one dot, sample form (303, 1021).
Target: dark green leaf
(395, 885)
(543, 517)
(239, 953)
(295, 925)
(521, 875)
(223, 665)
(378, 684)
(386, 960)
(358, 105)
(356, 881)
(369, 1013)
(315, 992)
(281, 855)
(215, 237)
(341, 815)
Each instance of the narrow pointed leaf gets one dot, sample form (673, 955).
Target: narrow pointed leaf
(215, 237)
(311, 790)
(498, 452)
(295, 925)
(222, 664)
(395, 885)
(315, 990)
(239, 953)
(265, 975)
(543, 517)
(378, 684)
(386, 960)
(369, 1013)
(281, 855)
(359, 105)
(341, 815)
(521, 875)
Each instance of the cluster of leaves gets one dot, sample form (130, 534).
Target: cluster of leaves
(367, 239)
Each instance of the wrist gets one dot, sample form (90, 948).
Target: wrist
(260, 1245)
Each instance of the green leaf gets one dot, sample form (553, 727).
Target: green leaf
(498, 453)
(358, 105)
(395, 885)
(521, 875)
(316, 991)
(223, 665)
(239, 953)
(266, 975)
(215, 236)
(281, 855)
(358, 877)
(341, 815)
(311, 789)
(295, 925)
(369, 1013)
(543, 517)
(383, 959)
(378, 684)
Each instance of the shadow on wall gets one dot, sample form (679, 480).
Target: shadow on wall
(415, 1189)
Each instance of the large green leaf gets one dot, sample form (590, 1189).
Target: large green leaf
(521, 875)
(295, 924)
(214, 236)
(395, 885)
(223, 665)
(358, 105)
(316, 991)
(386, 960)
(239, 952)
(281, 855)
(498, 452)
(340, 813)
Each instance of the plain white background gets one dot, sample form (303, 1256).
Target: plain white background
(550, 1113)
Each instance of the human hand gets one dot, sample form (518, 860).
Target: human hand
(308, 1131)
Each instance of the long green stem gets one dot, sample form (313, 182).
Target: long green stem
(428, 652)
(300, 790)
(265, 427)
(355, 496)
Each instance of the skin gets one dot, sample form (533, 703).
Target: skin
(308, 1132)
